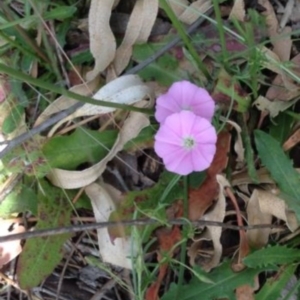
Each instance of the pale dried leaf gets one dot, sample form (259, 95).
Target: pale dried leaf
(64, 102)
(119, 251)
(194, 11)
(179, 6)
(272, 107)
(217, 214)
(102, 40)
(293, 140)
(138, 30)
(261, 207)
(126, 89)
(282, 44)
(9, 250)
(282, 87)
(238, 145)
(76, 179)
(238, 10)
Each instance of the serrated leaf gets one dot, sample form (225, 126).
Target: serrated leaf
(82, 146)
(271, 256)
(281, 169)
(21, 199)
(274, 286)
(225, 281)
(41, 255)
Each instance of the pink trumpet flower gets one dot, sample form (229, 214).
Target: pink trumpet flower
(184, 95)
(186, 142)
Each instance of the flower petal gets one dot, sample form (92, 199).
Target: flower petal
(184, 95)
(169, 143)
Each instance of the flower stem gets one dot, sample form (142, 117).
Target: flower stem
(184, 233)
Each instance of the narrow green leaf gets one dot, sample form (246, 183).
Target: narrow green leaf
(225, 281)
(12, 121)
(281, 127)
(271, 256)
(41, 255)
(281, 169)
(60, 13)
(274, 286)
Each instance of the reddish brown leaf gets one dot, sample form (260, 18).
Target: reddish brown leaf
(167, 238)
(202, 198)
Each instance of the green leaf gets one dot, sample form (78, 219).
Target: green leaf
(281, 127)
(271, 256)
(225, 281)
(60, 13)
(12, 121)
(40, 256)
(274, 286)
(281, 169)
(151, 202)
(82, 146)
(164, 69)
(145, 137)
(21, 199)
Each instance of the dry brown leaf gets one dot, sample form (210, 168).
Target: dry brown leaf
(200, 199)
(76, 179)
(138, 30)
(293, 140)
(273, 108)
(217, 215)
(63, 102)
(238, 10)
(119, 251)
(282, 42)
(245, 292)
(102, 40)
(282, 87)
(262, 206)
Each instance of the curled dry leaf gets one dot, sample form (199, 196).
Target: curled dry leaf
(126, 89)
(238, 144)
(282, 44)
(282, 87)
(63, 102)
(272, 107)
(138, 30)
(213, 232)
(238, 10)
(9, 250)
(119, 251)
(102, 40)
(262, 206)
(76, 179)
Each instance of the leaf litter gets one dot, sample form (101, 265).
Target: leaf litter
(252, 180)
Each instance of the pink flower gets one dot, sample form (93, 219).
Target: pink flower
(184, 95)
(186, 143)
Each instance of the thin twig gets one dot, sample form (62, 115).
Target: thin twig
(140, 222)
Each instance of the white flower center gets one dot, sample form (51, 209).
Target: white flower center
(189, 143)
(187, 108)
